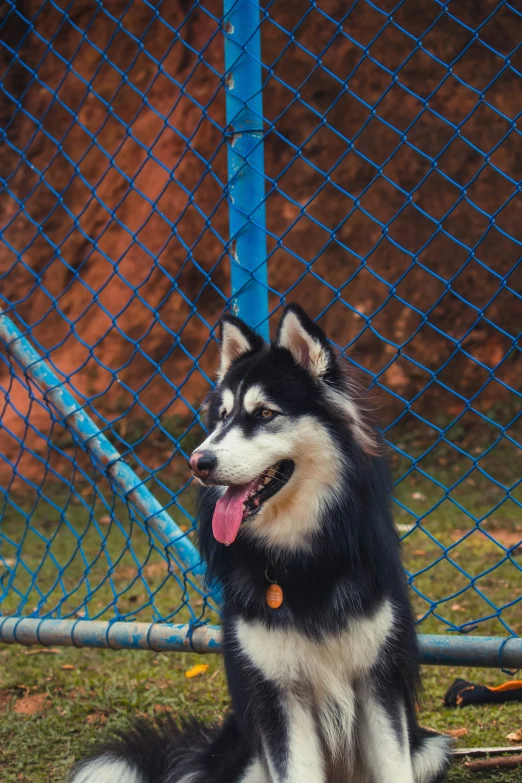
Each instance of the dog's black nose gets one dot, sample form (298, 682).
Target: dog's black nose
(202, 463)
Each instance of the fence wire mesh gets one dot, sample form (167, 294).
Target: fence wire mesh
(392, 187)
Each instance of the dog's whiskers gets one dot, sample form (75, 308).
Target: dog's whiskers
(275, 477)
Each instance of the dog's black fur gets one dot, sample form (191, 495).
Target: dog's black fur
(352, 565)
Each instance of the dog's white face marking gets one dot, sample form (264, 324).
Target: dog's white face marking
(254, 398)
(292, 514)
(241, 459)
(329, 666)
(106, 770)
(227, 400)
(289, 519)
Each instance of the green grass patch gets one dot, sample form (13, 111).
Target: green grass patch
(99, 690)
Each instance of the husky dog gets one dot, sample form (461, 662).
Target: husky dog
(319, 639)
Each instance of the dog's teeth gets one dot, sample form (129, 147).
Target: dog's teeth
(271, 472)
(267, 480)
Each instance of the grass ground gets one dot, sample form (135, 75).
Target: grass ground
(73, 697)
(76, 547)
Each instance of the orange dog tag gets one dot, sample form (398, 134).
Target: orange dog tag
(274, 596)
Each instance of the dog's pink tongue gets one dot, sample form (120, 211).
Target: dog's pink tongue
(228, 513)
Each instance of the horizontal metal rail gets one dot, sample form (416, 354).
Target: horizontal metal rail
(117, 635)
(485, 651)
(455, 650)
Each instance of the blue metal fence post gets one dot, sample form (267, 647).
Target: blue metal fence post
(246, 192)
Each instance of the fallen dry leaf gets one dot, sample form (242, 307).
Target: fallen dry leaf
(201, 668)
(462, 732)
(68, 666)
(515, 736)
(46, 650)
(96, 717)
(419, 552)
(30, 705)
(418, 496)
(457, 608)
(507, 538)
(161, 708)
(152, 570)
(105, 520)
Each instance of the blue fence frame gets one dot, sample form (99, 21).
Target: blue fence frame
(253, 296)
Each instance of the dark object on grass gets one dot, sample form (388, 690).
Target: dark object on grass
(462, 693)
(500, 762)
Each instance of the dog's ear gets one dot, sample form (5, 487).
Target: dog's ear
(236, 340)
(306, 342)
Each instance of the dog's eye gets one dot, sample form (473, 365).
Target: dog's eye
(266, 413)
(223, 415)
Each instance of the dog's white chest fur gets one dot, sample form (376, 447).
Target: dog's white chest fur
(288, 657)
(323, 673)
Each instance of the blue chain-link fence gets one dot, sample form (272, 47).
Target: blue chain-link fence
(161, 162)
